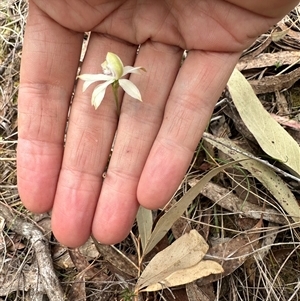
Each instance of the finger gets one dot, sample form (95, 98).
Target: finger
(89, 139)
(199, 84)
(138, 127)
(274, 8)
(49, 64)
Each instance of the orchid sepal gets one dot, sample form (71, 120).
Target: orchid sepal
(130, 88)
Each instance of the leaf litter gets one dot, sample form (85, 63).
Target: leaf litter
(180, 263)
(243, 216)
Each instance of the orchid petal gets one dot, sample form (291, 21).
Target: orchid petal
(130, 88)
(99, 92)
(92, 78)
(130, 69)
(95, 77)
(86, 84)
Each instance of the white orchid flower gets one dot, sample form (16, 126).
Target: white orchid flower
(113, 70)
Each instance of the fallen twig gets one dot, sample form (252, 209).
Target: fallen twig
(40, 245)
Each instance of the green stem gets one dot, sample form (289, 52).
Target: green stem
(115, 87)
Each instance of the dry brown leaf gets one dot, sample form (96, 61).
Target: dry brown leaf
(294, 124)
(282, 105)
(196, 293)
(232, 253)
(269, 60)
(77, 290)
(84, 267)
(180, 227)
(171, 295)
(185, 252)
(260, 44)
(117, 259)
(269, 84)
(199, 270)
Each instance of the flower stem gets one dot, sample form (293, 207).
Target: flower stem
(115, 87)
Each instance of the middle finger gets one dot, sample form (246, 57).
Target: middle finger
(138, 126)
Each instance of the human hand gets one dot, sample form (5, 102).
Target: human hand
(155, 139)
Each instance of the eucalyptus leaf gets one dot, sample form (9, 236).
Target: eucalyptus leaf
(144, 221)
(271, 181)
(202, 269)
(184, 253)
(272, 137)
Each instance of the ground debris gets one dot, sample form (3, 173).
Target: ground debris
(259, 264)
(40, 246)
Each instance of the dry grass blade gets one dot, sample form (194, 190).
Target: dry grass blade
(194, 293)
(167, 220)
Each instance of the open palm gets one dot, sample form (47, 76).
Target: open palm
(155, 139)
